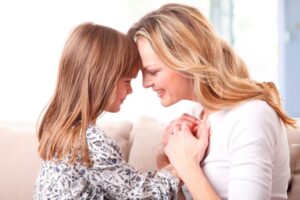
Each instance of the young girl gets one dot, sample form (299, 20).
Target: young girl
(248, 155)
(79, 160)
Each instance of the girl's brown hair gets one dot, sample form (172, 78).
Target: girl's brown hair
(186, 42)
(93, 60)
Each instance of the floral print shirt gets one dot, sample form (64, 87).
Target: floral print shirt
(110, 177)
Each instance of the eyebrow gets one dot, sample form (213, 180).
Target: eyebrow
(147, 66)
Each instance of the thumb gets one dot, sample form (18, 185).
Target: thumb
(204, 134)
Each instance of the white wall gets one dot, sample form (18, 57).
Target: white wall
(32, 35)
(33, 32)
(257, 37)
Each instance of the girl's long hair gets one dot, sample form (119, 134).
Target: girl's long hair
(93, 60)
(184, 39)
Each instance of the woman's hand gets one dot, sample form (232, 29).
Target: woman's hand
(190, 120)
(193, 123)
(184, 149)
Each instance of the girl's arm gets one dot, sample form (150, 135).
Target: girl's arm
(118, 180)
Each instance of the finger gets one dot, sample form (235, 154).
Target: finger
(167, 150)
(194, 130)
(159, 149)
(204, 132)
(190, 118)
(204, 126)
(185, 129)
(184, 118)
(176, 129)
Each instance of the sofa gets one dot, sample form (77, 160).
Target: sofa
(20, 162)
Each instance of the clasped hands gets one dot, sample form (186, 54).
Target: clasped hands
(184, 143)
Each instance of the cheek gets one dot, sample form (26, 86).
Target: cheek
(123, 91)
(146, 77)
(167, 80)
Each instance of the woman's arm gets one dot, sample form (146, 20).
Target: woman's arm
(193, 123)
(252, 147)
(185, 153)
(197, 183)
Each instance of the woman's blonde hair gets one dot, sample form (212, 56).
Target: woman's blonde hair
(93, 60)
(184, 40)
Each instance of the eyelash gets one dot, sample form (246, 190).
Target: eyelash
(153, 73)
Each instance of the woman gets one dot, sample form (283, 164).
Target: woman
(79, 160)
(184, 58)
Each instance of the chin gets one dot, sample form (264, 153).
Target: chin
(167, 103)
(116, 110)
(113, 110)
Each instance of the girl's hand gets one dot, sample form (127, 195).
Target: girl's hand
(162, 159)
(184, 149)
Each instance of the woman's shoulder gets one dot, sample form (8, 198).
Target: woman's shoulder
(256, 116)
(253, 114)
(256, 109)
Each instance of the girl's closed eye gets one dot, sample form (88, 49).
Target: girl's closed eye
(127, 80)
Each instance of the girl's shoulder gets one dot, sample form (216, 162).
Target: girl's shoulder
(95, 132)
(98, 139)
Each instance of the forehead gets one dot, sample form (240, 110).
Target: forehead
(147, 53)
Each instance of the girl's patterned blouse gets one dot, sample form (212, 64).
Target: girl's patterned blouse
(110, 177)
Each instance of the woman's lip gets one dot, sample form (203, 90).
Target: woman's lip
(160, 93)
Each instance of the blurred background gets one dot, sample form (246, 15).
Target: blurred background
(266, 34)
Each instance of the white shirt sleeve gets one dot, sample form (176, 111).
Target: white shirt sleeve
(251, 149)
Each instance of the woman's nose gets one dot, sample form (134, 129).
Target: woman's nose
(147, 82)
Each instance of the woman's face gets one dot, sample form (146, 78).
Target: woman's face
(169, 85)
(123, 88)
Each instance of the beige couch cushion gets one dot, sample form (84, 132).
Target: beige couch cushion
(294, 187)
(20, 161)
(294, 143)
(120, 132)
(145, 138)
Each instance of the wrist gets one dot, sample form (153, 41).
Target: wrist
(187, 169)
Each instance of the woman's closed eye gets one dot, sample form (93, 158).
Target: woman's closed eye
(152, 72)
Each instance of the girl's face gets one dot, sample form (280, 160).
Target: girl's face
(123, 88)
(170, 85)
